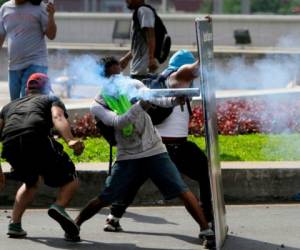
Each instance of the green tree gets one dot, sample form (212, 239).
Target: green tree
(232, 7)
(266, 6)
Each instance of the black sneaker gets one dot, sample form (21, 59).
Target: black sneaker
(112, 226)
(72, 238)
(207, 238)
(15, 230)
(59, 214)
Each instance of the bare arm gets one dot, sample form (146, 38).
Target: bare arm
(184, 76)
(150, 35)
(125, 60)
(188, 72)
(51, 27)
(63, 127)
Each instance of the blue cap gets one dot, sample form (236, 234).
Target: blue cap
(180, 58)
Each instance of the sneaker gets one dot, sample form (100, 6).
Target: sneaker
(15, 230)
(72, 238)
(112, 226)
(207, 238)
(59, 214)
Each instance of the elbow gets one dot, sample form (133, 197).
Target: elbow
(51, 37)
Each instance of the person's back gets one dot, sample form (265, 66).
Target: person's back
(30, 114)
(35, 155)
(144, 140)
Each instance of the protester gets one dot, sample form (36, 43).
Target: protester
(140, 155)
(25, 23)
(35, 156)
(142, 42)
(187, 156)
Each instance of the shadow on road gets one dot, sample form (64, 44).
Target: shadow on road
(140, 218)
(189, 239)
(87, 244)
(234, 242)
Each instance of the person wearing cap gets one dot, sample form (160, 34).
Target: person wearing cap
(25, 23)
(35, 156)
(187, 156)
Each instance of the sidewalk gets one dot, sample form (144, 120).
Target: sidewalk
(243, 183)
(163, 228)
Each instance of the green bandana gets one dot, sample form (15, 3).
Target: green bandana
(120, 106)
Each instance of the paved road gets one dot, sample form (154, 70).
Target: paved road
(260, 227)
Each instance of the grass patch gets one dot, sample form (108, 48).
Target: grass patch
(252, 147)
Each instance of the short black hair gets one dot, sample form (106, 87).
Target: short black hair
(107, 62)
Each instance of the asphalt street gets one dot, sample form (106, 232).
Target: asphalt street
(259, 227)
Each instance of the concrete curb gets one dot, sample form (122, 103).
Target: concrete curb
(244, 182)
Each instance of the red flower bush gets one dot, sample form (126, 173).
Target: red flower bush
(244, 116)
(84, 126)
(236, 116)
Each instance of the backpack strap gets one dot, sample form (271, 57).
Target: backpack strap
(188, 104)
(110, 159)
(102, 102)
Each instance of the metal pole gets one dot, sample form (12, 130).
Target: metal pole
(245, 6)
(204, 36)
(217, 6)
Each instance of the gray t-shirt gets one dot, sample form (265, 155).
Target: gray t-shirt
(139, 47)
(24, 27)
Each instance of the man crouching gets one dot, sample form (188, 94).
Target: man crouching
(28, 145)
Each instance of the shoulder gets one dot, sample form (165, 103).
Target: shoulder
(55, 100)
(145, 10)
(8, 4)
(5, 6)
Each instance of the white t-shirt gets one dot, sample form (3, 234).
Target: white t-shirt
(176, 125)
(24, 27)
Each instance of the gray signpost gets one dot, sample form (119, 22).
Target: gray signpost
(207, 87)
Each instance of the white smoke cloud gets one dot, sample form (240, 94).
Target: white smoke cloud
(268, 72)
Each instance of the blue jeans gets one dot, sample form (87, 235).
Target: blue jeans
(129, 175)
(18, 78)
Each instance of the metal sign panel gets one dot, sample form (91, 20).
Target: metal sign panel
(205, 51)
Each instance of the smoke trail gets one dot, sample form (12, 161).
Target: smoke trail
(86, 78)
(269, 72)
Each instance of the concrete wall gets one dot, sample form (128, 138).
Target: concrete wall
(267, 184)
(81, 33)
(265, 30)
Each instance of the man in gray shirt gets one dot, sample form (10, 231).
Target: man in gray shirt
(25, 23)
(143, 41)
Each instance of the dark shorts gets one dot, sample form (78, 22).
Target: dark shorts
(159, 168)
(31, 156)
